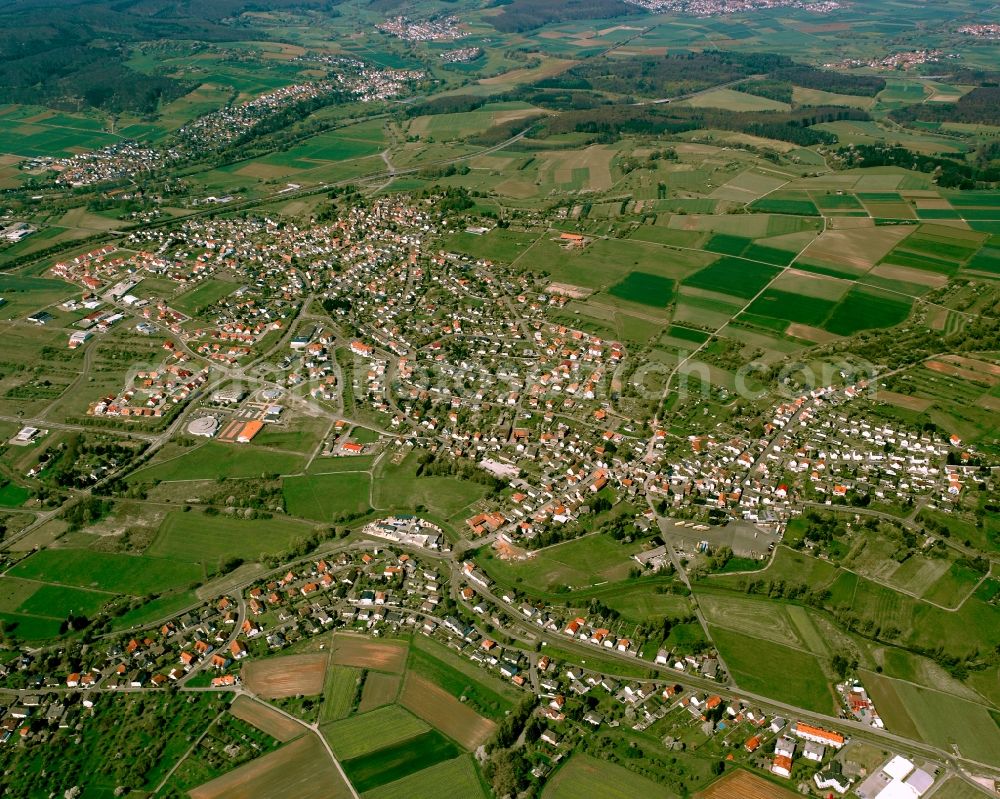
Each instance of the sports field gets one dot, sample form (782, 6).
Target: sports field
(499, 244)
(398, 488)
(203, 295)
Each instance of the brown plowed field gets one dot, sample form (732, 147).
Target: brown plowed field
(441, 710)
(266, 719)
(742, 784)
(289, 675)
(357, 650)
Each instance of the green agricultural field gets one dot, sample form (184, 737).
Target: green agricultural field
(159, 608)
(25, 295)
(577, 778)
(107, 571)
(645, 289)
(774, 670)
(208, 540)
(725, 244)
(60, 601)
(499, 244)
(763, 618)
(660, 234)
(402, 759)
(987, 259)
(733, 100)
(31, 628)
(861, 309)
(791, 307)
(215, 461)
(338, 694)
(327, 497)
(604, 262)
(317, 151)
(35, 610)
(688, 334)
(836, 202)
(643, 604)
(367, 732)
(953, 586)
(735, 276)
(353, 463)
(13, 495)
(457, 676)
(940, 719)
(912, 622)
(451, 779)
(41, 138)
(14, 592)
(770, 255)
(796, 205)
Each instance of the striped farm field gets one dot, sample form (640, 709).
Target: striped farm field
(380, 689)
(740, 784)
(443, 711)
(451, 779)
(367, 732)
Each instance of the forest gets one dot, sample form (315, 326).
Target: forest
(829, 81)
(76, 58)
(679, 74)
(951, 172)
(981, 106)
(68, 77)
(791, 126)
